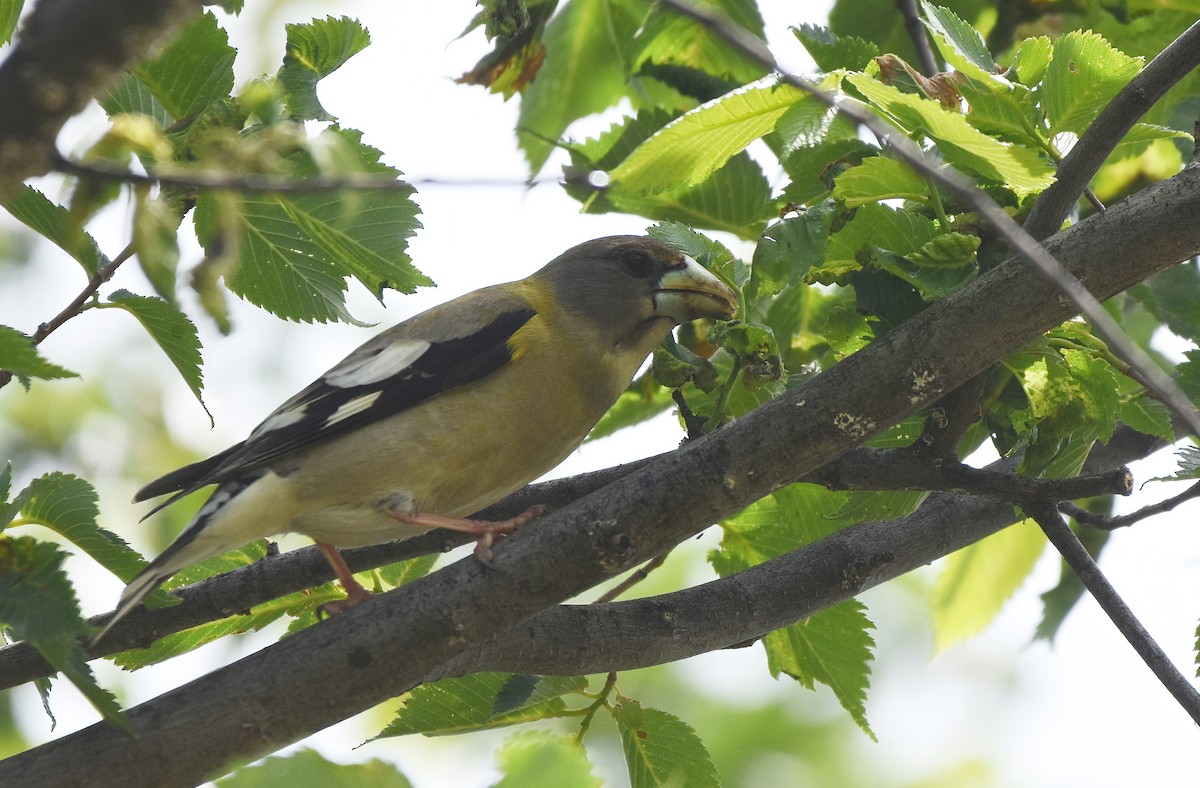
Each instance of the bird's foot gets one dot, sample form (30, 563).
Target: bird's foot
(355, 593)
(485, 531)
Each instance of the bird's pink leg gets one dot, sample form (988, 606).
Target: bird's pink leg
(355, 593)
(485, 531)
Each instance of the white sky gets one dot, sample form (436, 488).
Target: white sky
(1085, 713)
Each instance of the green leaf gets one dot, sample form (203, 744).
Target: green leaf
(960, 44)
(314, 51)
(1147, 415)
(171, 329)
(976, 581)
(931, 281)
(402, 572)
(193, 71)
(1097, 390)
(670, 38)
(713, 255)
(8, 509)
(643, 400)
(1171, 297)
(1084, 76)
(293, 253)
(307, 767)
(661, 749)
(541, 759)
(53, 222)
(10, 12)
(1005, 110)
(584, 71)
(19, 356)
(38, 603)
(691, 148)
(156, 243)
(879, 178)
(789, 249)
(1023, 170)
(832, 52)
(1032, 60)
(832, 647)
(873, 226)
(481, 701)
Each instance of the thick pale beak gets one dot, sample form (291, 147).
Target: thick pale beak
(691, 292)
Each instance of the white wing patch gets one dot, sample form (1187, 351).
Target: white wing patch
(279, 420)
(390, 361)
(356, 405)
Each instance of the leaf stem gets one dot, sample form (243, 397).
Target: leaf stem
(601, 700)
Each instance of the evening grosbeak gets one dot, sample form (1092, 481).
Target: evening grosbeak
(445, 413)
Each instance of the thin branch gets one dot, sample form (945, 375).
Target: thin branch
(641, 574)
(917, 34)
(1080, 561)
(213, 180)
(1106, 522)
(102, 275)
(1166, 389)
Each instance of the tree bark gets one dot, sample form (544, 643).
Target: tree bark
(398, 640)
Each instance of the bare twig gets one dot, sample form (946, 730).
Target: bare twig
(102, 275)
(641, 574)
(916, 32)
(1080, 561)
(1107, 522)
(1021, 242)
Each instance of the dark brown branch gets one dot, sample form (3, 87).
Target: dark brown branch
(1080, 561)
(1106, 522)
(68, 52)
(1165, 389)
(919, 37)
(399, 639)
(1110, 127)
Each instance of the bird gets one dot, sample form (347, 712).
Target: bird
(443, 414)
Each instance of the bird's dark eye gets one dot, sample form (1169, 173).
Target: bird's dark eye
(639, 264)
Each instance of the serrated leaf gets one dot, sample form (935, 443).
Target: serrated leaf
(1008, 113)
(68, 505)
(670, 38)
(960, 44)
(1085, 73)
(879, 178)
(480, 701)
(1032, 60)
(711, 254)
(584, 71)
(314, 51)
(874, 226)
(789, 249)
(692, 147)
(194, 70)
(1147, 415)
(832, 647)
(38, 603)
(53, 222)
(307, 767)
(156, 243)
(177, 643)
(1171, 297)
(172, 330)
(402, 572)
(541, 759)
(1097, 390)
(10, 12)
(661, 749)
(19, 356)
(976, 581)
(831, 52)
(1021, 169)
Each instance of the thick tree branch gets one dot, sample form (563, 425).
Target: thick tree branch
(399, 639)
(69, 51)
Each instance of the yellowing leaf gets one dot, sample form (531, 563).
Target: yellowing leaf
(977, 580)
(691, 148)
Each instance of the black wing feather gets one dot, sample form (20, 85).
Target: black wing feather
(443, 366)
